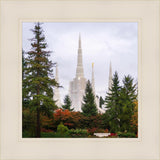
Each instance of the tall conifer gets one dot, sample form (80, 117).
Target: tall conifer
(88, 105)
(67, 103)
(128, 97)
(39, 78)
(113, 107)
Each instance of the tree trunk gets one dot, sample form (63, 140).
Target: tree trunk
(38, 125)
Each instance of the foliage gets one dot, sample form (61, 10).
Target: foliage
(25, 96)
(67, 103)
(134, 119)
(75, 120)
(69, 119)
(113, 107)
(62, 130)
(128, 97)
(101, 102)
(62, 116)
(88, 105)
(91, 131)
(47, 123)
(78, 133)
(120, 102)
(92, 121)
(46, 130)
(28, 123)
(38, 80)
(127, 135)
(47, 134)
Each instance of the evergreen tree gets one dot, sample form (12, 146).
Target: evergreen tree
(88, 105)
(25, 97)
(38, 80)
(101, 102)
(23, 64)
(113, 107)
(128, 96)
(67, 103)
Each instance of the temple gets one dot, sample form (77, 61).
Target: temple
(78, 84)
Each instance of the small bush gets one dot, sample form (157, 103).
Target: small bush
(47, 134)
(113, 135)
(92, 136)
(46, 130)
(127, 135)
(91, 131)
(62, 130)
(78, 133)
(26, 134)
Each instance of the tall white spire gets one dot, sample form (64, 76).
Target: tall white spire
(100, 110)
(56, 96)
(93, 83)
(78, 84)
(110, 77)
(79, 70)
(79, 40)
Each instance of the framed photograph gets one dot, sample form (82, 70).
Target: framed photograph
(80, 79)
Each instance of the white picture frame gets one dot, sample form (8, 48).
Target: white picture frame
(14, 12)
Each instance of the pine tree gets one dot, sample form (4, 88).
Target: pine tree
(25, 97)
(38, 80)
(101, 102)
(23, 64)
(128, 97)
(67, 103)
(88, 105)
(113, 107)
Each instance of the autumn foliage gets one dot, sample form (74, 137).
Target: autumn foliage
(134, 120)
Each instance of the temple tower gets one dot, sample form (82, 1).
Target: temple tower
(78, 84)
(56, 95)
(93, 83)
(79, 69)
(110, 77)
(100, 110)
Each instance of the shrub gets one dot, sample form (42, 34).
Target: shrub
(78, 133)
(62, 130)
(46, 130)
(26, 134)
(113, 135)
(47, 134)
(91, 131)
(28, 123)
(69, 119)
(92, 136)
(127, 135)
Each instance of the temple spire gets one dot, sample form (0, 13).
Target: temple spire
(110, 77)
(100, 110)
(93, 83)
(56, 96)
(79, 40)
(79, 70)
(56, 77)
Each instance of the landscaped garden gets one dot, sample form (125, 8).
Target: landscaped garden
(42, 118)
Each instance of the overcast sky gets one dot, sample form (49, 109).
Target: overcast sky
(101, 43)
